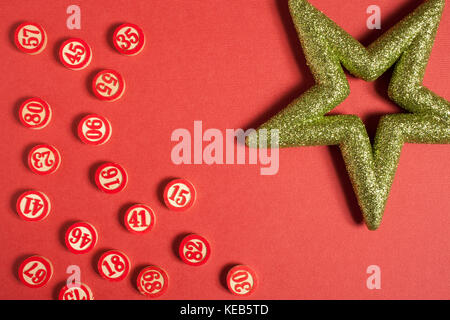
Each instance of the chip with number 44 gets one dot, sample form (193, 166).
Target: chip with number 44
(35, 113)
(33, 206)
(241, 280)
(30, 38)
(128, 39)
(194, 250)
(35, 271)
(76, 292)
(81, 237)
(108, 85)
(75, 54)
(111, 177)
(139, 219)
(44, 159)
(152, 281)
(114, 265)
(94, 129)
(179, 195)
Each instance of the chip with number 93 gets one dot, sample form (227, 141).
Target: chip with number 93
(30, 38)
(75, 54)
(81, 237)
(152, 281)
(241, 280)
(35, 113)
(111, 177)
(94, 129)
(35, 271)
(114, 265)
(179, 195)
(44, 159)
(108, 85)
(194, 250)
(139, 219)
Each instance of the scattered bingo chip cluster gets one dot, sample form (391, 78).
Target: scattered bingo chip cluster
(93, 129)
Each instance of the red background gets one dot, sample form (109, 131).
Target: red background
(231, 64)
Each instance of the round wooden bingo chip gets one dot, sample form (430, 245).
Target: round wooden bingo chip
(44, 159)
(129, 39)
(75, 54)
(76, 292)
(94, 129)
(30, 38)
(35, 271)
(139, 219)
(111, 177)
(108, 85)
(152, 281)
(33, 206)
(194, 250)
(241, 280)
(81, 237)
(114, 265)
(179, 195)
(35, 113)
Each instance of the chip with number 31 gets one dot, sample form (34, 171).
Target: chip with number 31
(179, 195)
(111, 177)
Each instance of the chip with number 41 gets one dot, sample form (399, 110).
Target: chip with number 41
(33, 206)
(139, 219)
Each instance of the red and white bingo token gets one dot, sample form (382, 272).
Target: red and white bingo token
(129, 39)
(111, 177)
(81, 237)
(241, 280)
(108, 85)
(152, 281)
(33, 206)
(114, 265)
(75, 54)
(30, 38)
(94, 129)
(179, 195)
(76, 292)
(44, 159)
(35, 113)
(35, 271)
(139, 218)
(194, 250)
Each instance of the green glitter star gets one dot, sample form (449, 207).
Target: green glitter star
(327, 48)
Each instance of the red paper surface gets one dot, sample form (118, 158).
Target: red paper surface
(231, 64)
